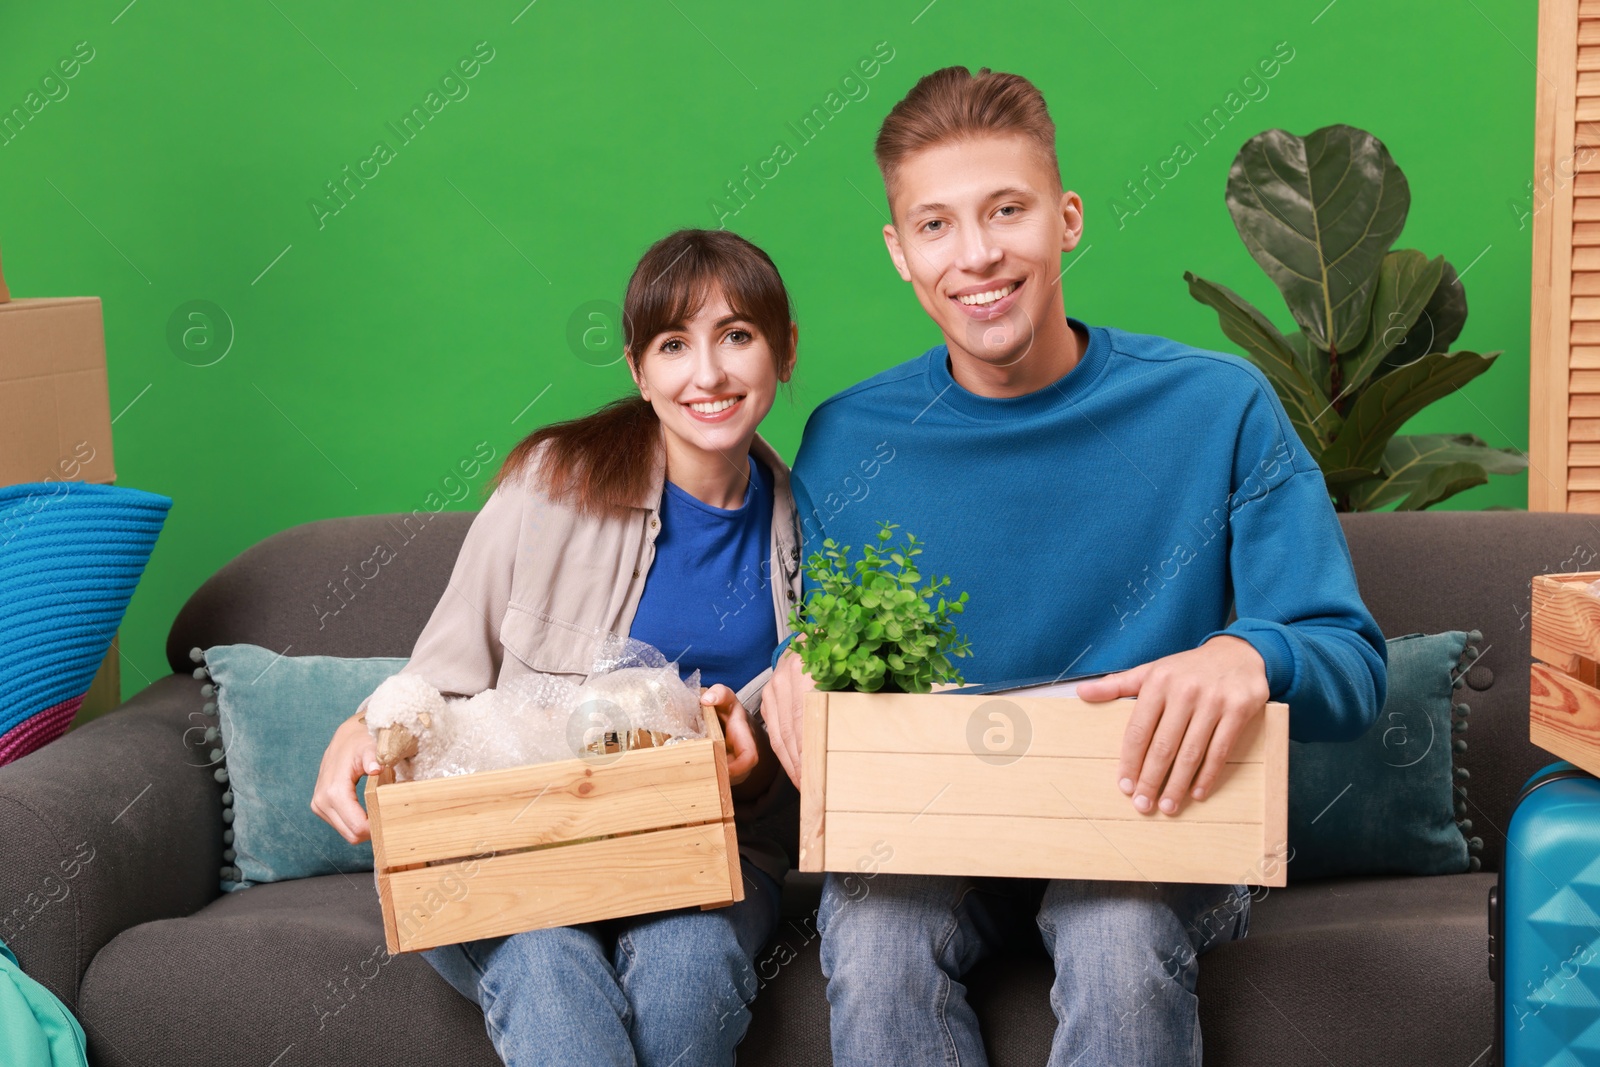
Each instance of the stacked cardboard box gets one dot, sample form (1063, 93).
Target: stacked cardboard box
(55, 414)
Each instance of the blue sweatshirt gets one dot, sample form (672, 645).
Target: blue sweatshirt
(1108, 519)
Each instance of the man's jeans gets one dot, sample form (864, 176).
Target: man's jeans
(669, 988)
(1126, 957)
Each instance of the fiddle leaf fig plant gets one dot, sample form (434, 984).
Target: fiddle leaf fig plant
(1319, 215)
(868, 627)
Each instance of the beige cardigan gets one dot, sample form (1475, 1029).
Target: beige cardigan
(538, 585)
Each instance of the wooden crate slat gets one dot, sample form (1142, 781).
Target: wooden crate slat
(469, 899)
(549, 802)
(1130, 849)
(1565, 619)
(1564, 717)
(1060, 726)
(813, 780)
(1068, 787)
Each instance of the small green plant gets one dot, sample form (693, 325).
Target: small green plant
(866, 626)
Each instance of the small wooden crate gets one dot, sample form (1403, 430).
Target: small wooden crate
(554, 844)
(1563, 701)
(935, 784)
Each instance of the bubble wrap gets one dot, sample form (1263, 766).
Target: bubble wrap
(538, 718)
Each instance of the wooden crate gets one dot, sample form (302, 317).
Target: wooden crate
(929, 784)
(554, 844)
(1563, 701)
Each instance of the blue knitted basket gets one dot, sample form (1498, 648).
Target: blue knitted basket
(71, 555)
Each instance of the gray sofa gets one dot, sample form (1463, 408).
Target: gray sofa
(164, 970)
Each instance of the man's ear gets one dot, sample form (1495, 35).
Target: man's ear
(891, 241)
(1072, 216)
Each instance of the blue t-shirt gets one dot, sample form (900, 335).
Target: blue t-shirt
(707, 602)
(1108, 519)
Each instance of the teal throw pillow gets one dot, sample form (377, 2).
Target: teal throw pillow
(1388, 802)
(277, 714)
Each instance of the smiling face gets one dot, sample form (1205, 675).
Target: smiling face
(980, 226)
(711, 380)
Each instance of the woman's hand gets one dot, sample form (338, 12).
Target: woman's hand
(751, 766)
(351, 754)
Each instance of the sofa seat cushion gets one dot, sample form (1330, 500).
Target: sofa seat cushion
(293, 969)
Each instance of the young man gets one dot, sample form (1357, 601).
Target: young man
(1104, 497)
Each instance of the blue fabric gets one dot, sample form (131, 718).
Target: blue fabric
(277, 715)
(1108, 519)
(1384, 804)
(71, 555)
(36, 1029)
(707, 600)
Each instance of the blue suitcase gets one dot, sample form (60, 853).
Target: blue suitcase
(1544, 924)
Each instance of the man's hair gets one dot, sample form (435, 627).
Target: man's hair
(952, 104)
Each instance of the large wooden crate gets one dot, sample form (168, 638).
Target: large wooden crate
(554, 844)
(1025, 787)
(1563, 701)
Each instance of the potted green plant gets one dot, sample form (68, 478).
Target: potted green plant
(1319, 215)
(868, 627)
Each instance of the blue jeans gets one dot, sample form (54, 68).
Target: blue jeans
(894, 950)
(672, 988)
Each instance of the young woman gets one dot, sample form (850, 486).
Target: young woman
(664, 517)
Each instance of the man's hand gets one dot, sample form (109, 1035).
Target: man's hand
(1192, 706)
(783, 710)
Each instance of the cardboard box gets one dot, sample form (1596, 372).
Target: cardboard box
(1563, 698)
(554, 844)
(1024, 787)
(55, 408)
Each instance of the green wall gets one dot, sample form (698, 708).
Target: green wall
(374, 349)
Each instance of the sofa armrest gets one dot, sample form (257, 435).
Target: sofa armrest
(114, 824)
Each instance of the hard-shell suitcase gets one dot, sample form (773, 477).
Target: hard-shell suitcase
(1544, 924)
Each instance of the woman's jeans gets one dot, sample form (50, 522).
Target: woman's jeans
(894, 950)
(671, 988)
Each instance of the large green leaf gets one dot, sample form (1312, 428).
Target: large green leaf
(1410, 463)
(1312, 358)
(1318, 214)
(1390, 399)
(1436, 330)
(1304, 401)
(1406, 282)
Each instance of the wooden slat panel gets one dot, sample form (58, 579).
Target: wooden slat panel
(1583, 430)
(1584, 503)
(1582, 406)
(1586, 209)
(1585, 259)
(1585, 357)
(1139, 848)
(1586, 283)
(1586, 233)
(1584, 381)
(1586, 185)
(1589, 58)
(1588, 32)
(1589, 9)
(586, 882)
(1062, 786)
(1564, 717)
(445, 818)
(1059, 726)
(1586, 308)
(1585, 333)
(1589, 83)
(1583, 477)
(1583, 453)
(813, 781)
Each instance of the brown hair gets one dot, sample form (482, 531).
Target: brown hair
(954, 103)
(605, 460)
